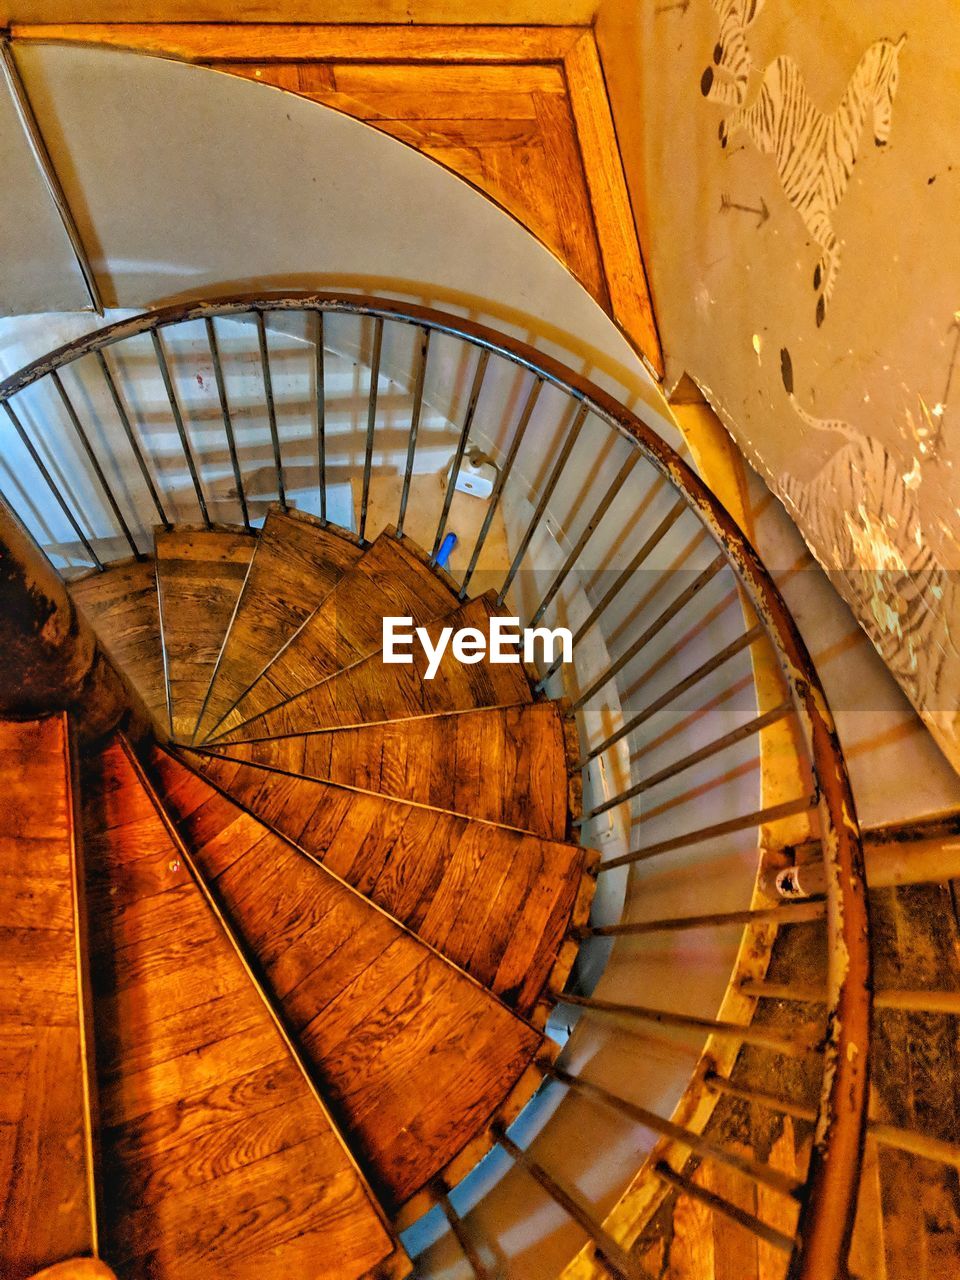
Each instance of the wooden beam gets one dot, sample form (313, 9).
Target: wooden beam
(207, 42)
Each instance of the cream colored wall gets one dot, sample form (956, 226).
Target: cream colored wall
(864, 453)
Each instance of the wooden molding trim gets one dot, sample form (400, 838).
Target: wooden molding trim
(612, 211)
(308, 42)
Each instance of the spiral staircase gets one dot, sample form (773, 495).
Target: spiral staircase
(297, 940)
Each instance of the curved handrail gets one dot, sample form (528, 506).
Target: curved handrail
(830, 1196)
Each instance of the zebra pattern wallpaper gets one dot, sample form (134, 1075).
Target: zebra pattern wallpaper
(800, 201)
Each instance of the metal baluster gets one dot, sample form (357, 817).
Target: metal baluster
(318, 340)
(573, 436)
(134, 443)
(671, 611)
(790, 1046)
(945, 1002)
(772, 813)
(613, 1256)
(414, 427)
(732, 1211)
(48, 478)
(681, 687)
(888, 1135)
(647, 548)
(371, 422)
(178, 422)
(271, 407)
(95, 463)
(455, 1223)
(776, 1180)
(502, 478)
(478, 376)
(225, 414)
(695, 757)
(809, 910)
(604, 505)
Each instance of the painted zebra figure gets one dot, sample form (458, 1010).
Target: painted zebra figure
(866, 525)
(727, 84)
(815, 152)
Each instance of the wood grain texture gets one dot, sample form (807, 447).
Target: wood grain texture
(610, 200)
(200, 574)
(310, 42)
(503, 764)
(217, 1157)
(295, 565)
(121, 606)
(414, 1055)
(390, 579)
(372, 690)
(495, 901)
(46, 1209)
(520, 112)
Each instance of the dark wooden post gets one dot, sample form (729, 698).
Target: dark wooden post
(49, 658)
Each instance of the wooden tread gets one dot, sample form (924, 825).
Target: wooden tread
(390, 579)
(218, 1157)
(415, 1055)
(200, 573)
(122, 607)
(296, 564)
(373, 691)
(47, 1201)
(505, 764)
(496, 901)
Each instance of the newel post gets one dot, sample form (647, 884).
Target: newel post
(49, 658)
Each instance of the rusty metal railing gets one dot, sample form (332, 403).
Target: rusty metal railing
(827, 1191)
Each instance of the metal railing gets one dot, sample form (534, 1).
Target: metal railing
(583, 477)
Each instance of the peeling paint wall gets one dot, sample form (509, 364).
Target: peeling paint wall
(796, 171)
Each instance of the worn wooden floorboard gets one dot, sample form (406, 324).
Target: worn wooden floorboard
(496, 901)
(415, 1055)
(121, 605)
(372, 690)
(503, 764)
(217, 1157)
(390, 579)
(46, 1209)
(296, 564)
(200, 573)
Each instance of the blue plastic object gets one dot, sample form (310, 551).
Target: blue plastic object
(446, 550)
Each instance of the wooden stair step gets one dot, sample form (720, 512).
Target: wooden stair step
(509, 765)
(496, 901)
(371, 690)
(415, 1055)
(297, 563)
(200, 574)
(47, 1201)
(392, 578)
(218, 1156)
(122, 608)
